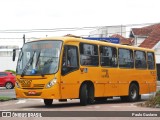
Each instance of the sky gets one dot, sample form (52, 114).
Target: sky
(51, 14)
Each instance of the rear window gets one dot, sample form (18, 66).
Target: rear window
(151, 61)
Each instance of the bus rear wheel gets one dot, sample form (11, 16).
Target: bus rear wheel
(48, 102)
(133, 93)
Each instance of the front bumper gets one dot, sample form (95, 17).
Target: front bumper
(46, 93)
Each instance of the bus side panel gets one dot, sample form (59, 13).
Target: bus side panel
(99, 89)
(148, 82)
(144, 88)
(153, 87)
(123, 89)
(152, 81)
(147, 88)
(126, 76)
(92, 74)
(70, 84)
(110, 75)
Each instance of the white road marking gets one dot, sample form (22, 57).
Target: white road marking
(96, 107)
(124, 106)
(116, 106)
(93, 107)
(20, 102)
(28, 100)
(134, 105)
(35, 99)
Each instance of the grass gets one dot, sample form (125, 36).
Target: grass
(2, 99)
(14, 72)
(153, 101)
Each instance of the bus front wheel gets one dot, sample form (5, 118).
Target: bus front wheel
(48, 102)
(83, 95)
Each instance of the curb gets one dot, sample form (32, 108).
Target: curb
(158, 83)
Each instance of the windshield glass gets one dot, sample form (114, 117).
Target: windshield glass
(37, 58)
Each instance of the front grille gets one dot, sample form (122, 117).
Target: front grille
(39, 85)
(34, 86)
(25, 86)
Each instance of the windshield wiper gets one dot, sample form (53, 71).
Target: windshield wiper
(27, 65)
(37, 64)
(38, 58)
(20, 58)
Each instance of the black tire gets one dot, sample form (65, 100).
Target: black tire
(83, 95)
(90, 90)
(133, 93)
(48, 102)
(9, 85)
(139, 97)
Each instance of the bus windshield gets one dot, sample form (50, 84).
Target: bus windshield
(39, 58)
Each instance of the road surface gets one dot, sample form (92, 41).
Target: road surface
(115, 105)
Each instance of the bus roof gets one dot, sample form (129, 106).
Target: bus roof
(67, 39)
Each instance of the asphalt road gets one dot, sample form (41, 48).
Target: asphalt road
(115, 105)
(115, 100)
(7, 92)
(11, 92)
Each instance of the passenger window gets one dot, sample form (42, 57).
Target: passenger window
(151, 61)
(140, 59)
(88, 54)
(2, 74)
(108, 56)
(126, 58)
(70, 59)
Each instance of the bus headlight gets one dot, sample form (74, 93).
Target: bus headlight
(17, 85)
(51, 83)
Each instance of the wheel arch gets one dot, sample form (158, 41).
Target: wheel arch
(136, 83)
(89, 83)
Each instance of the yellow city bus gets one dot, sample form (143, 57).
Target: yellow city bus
(75, 68)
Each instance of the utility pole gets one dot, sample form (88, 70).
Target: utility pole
(24, 39)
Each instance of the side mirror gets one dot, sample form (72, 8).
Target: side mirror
(14, 55)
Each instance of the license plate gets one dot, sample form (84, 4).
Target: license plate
(31, 92)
